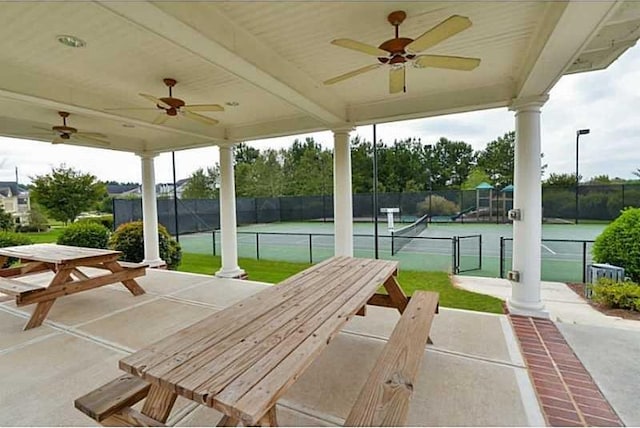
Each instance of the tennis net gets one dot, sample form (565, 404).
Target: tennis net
(401, 237)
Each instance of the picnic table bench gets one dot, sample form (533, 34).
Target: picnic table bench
(242, 359)
(65, 262)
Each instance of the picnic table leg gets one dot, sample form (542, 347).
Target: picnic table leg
(269, 419)
(159, 403)
(396, 294)
(131, 284)
(43, 307)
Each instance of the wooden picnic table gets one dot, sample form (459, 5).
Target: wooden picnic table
(64, 261)
(242, 359)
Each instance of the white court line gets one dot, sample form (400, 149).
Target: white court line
(548, 249)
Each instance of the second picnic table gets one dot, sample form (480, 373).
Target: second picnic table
(64, 261)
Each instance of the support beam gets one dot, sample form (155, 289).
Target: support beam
(342, 193)
(527, 232)
(150, 211)
(228, 230)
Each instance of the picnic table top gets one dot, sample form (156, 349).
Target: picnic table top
(242, 359)
(54, 253)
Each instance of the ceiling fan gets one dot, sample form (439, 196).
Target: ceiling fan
(400, 51)
(64, 133)
(171, 107)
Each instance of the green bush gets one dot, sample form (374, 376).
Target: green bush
(129, 239)
(85, 234)
(619, 243)
(438, 205)
(622, 295)
(10, 239)
(105, 220)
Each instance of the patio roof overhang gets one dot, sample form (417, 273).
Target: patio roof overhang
(272, 57)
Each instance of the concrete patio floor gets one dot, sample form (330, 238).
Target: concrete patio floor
(607, 346)
(473, 375)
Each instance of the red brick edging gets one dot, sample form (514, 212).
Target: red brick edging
(566, 391)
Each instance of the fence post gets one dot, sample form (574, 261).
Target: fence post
(310, 249)
(257, 245)
(213, 234)
(480, 254)
(584, 262)
(502, 257)
(454, 266)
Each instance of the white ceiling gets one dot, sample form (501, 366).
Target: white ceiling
(271, 58)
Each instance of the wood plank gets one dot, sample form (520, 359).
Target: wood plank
(396, 294)
(44, 305)
(384, 399)
(132, 265)
(128, 417)
(79, 274)
(236, 315)
(231, 357)
(270, 419)
(29, 268)
(13, 287)
(250, 395)
(131, 285)
(159, 403)
(105, 401)
(76, 287)
(53, 253)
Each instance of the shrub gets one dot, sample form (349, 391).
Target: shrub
(622, 295)
(22, 228)
(85, 234)
(129, 239)
(439, 205)
(10, 239)
(104, 220)
(619, 243)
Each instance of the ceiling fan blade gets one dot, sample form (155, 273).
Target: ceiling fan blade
(160, 119)
(198, 117)
(82, 136)
(155, 100)
(360, 47)
(351, 74)
(132, 108)
(449, 62)
(91, 134)
(203, 107)
(43, 129)
(396, 80)
(57, 140)
(447, 28)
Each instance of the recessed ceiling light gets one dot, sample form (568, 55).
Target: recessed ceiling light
(232, 103)
(128, 125)
(71, 41)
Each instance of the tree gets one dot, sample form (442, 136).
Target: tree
(497, 159)
(6, 220)
(66, 192)
(201, 184)
(244, 154)
(362, 165)
(562, 180)
(452, 162)
(37, 219)
(476, 177)
(600, 179)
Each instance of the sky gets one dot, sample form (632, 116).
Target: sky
(607, 102)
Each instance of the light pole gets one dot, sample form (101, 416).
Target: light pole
(428, 147)
(579, 132)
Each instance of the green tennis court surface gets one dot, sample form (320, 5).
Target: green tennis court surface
(432, 249)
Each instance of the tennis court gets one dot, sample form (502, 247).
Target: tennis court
(477, 251)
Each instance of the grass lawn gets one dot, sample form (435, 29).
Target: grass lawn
(275, 271)
(44, 237)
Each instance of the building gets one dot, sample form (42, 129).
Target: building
(14, 198)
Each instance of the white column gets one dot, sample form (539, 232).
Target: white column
(150, 211)
(527, 232)
(342, 193)
(228, 232)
